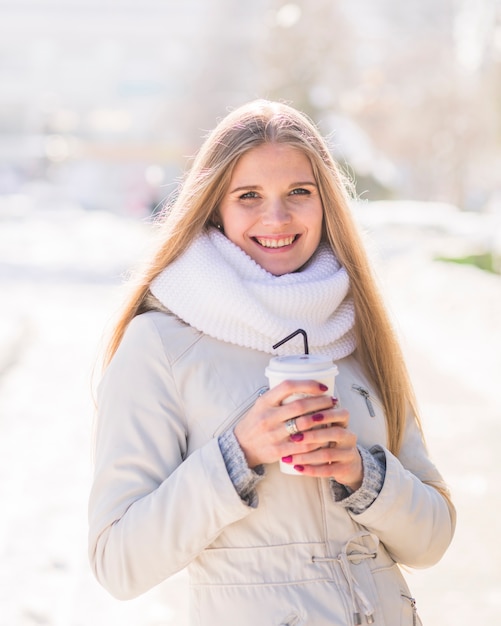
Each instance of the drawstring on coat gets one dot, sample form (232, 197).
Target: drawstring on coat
(359, 601)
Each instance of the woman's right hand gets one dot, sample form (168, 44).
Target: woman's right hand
(262, 433)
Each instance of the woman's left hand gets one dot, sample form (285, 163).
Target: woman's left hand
(337, 458)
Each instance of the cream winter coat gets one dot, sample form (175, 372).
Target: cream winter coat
(162, 498)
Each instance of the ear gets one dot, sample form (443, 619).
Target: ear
(215, 220)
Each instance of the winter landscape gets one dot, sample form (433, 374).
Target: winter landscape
(60, 276)
(101, 104)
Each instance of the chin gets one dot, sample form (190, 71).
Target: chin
(280, 271)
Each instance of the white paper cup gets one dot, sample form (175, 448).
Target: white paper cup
(301, 367)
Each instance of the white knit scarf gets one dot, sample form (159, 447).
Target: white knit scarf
(218, 289)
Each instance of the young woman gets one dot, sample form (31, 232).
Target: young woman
(260, 242)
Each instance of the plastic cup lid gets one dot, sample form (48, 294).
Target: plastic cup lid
(300, 363)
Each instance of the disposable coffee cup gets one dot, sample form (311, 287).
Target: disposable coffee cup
(301, 367)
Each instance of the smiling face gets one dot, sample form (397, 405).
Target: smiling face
(272, 208)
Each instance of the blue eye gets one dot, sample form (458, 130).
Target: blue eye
(300, 191)
(248, 195)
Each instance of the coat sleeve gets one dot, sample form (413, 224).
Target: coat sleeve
(411, 515)
(151, 508)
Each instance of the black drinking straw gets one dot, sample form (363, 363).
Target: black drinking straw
(296, 332)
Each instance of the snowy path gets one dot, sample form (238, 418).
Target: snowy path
(58, 279)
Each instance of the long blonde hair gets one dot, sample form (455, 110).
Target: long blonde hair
(196, 207)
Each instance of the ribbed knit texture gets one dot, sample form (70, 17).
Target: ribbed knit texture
(218, 289)
(374, 462)
(241, 475)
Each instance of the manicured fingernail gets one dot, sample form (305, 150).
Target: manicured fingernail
(323, 387)
(318, 417)
(299, 468)
(334, 401)
(287, 459)
(297, 437)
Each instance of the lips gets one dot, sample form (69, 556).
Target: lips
(275, 242)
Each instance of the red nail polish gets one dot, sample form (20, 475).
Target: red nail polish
(318, 417)
(323, 387)
(287, 459)
(299, 468)
(297, 437)
(334, 401)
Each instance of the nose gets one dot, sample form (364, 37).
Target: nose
(275, 213)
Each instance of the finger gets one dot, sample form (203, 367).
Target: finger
(324, 419)
(311, 411)
(337, 472)
(347, 469)
(296, 389)
(322, 437)
(327, 455)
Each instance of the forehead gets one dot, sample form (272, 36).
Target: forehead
(271, 160)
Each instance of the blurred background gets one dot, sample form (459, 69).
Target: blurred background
(102, 101)
(101, 105)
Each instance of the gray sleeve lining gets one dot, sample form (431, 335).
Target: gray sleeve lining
(374, 463)
(242, 476)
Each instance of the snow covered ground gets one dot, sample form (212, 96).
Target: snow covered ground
(60, 272)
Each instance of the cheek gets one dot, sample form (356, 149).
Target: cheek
(234, 225)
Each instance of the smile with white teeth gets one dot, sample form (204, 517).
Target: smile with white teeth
(275, 243)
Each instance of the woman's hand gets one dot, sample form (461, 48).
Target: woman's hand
(264, 438)
(338, 457)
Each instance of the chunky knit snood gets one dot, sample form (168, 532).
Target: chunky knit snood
(218, 289)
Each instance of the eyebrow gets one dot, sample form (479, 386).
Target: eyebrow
(307, 183)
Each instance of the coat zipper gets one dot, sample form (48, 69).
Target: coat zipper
(414, 609)
(363, 392)
(242, 411)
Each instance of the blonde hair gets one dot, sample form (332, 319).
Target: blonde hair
(196, 207)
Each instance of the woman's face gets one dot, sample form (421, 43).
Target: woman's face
(272, 209)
